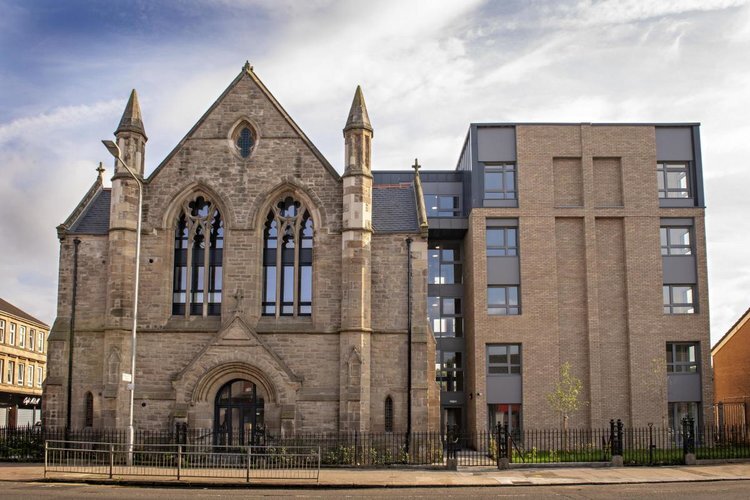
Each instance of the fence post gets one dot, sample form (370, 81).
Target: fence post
(615, 439)
(688, 440)
(179, 461)
(111, 458)
(46, 451)
(451, 438)
(317, 479)
(249, 454)
(651, 445)
(503, 444)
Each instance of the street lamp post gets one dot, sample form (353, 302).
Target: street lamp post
(114, 150)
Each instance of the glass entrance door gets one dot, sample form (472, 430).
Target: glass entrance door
(238, 415)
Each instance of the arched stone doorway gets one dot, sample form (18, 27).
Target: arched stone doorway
(239, 417)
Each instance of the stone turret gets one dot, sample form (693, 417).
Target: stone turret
(356, 283)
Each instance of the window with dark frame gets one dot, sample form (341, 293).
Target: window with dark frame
(676, 240)
(198, 259)
(444, 264)
(500, 181)
(682, 357)
(388, 410)
(673, 179)
(442, 205)
(245, 142)
(504, 359)
(445, 316)
(679, 299)
(449, 371)
(502, 241)
(288, 260)
(503, 300)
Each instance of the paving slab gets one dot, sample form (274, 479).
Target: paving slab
(403, 478)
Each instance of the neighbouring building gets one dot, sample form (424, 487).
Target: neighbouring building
(23, 366)
(731, 362)
(276, 292)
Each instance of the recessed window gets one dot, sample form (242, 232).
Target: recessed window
(449, 371)
(198, 260)
(287, 260)
(2, 330)
(30, 377)
(12, 334)
(676, 240)
(682, 357)
(245, 142)
(444, 264)
(502, 241)
(22, 336)
(500, 181)
(11, 372)
(504, 359)
(503, 300)
(40, 341)
(442, 205)
(388, 410)
(21, 373)
(679, 299)
(39, 376)
(88, 419)
(445, 316)
(673, 179)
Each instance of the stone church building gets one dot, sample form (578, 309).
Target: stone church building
(275, 293)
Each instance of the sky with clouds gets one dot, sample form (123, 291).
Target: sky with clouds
(428, 69)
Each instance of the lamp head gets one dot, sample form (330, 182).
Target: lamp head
(113, 149)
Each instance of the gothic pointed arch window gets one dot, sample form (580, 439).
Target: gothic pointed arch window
(198, 259)
(287, 259)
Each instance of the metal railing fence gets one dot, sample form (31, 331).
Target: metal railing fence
(182, 461)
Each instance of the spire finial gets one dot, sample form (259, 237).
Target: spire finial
(416, 166)
(358, 117)
(247, 68)
(100, 171)
(132, 120)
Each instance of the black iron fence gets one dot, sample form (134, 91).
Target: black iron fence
(637, 446)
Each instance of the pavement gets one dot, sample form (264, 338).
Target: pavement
(412, 477)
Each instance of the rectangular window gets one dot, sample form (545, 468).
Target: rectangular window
(22, 336)
(676, 240)
(500, 181)
(21, 372)
(503, 300)
(30, 377)
(444, 264)
(504, 359)
(502, 241)
(39, 376)
(2, 331)
(682, 357)
(450, 372)
(442, 205)
(32, 337)
(2, 371)
(40, 341)
(679, 299)
(445, 316)
(11, 372)
(680, 411)
(12, 334)
(673, 179)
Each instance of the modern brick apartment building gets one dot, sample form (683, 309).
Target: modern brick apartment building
(276, 292)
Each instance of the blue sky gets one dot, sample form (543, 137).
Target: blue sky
(428, 69)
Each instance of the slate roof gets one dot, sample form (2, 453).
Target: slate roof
(95, 218)
(394, 208)
(9, 308)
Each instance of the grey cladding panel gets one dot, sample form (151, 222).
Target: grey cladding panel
(496, 144)
(679, 269)
(503, 271)
(684, 387)
(454, 188)
(674, 143)
(504, 389)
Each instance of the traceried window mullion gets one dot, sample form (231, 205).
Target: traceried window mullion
(198, 260)
(287, 260)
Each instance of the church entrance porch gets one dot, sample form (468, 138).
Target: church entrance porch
(239, 414)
